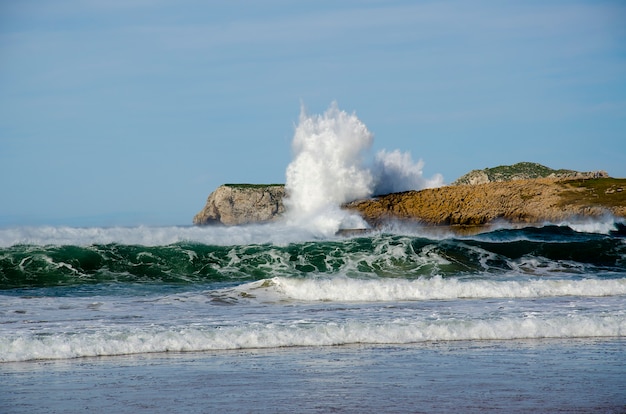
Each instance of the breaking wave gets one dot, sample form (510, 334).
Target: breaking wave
(50, 257)
(330, 167)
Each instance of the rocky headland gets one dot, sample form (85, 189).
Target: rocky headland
(234, 204)
(519, 201)
(521, 171)
(523, 193)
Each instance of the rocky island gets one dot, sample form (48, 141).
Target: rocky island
(233, 204)
(521, 201)
(521, 193)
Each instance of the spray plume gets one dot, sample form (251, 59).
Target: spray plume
(330, 168)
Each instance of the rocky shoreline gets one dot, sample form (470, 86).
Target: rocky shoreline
(508, 195)
(519, 202)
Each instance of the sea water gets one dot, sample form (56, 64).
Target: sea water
(375, 304)
(293, 317)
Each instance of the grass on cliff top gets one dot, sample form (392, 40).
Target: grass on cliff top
(529, 169)
(253, 185)
(601, 191)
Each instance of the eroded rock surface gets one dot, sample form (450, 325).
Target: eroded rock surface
(234, 204)
(518, 201)
(508, 193)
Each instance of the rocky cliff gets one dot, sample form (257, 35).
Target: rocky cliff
(510, 193)
(518, 201)
(233, 204)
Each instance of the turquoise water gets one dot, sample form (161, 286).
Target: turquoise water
(238, 312)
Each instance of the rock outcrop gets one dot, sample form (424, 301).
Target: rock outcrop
(518, 201)
(509, 193)
(521, 171)
(233, 204)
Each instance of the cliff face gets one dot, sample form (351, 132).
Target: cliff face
(233, 204)
(518, 201)
(506, 194)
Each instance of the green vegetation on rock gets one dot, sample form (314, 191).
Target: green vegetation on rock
(520, 171)
(608, 192)
(253, 185)
(523, 169)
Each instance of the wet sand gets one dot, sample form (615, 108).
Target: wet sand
(584, 375)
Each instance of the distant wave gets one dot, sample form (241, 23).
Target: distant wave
(604, 225)
(275, 233)
(152, 236)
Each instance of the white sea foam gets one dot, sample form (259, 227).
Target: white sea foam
(403, 330)
(344, 289)
(602, 225)
(285, 312)
(328, 170)
(278, 233)
(330, 167)
(395, 171)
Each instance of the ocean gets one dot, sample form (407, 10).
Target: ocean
(294, 316)
(270, 318)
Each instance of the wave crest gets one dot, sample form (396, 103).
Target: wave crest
(344, 289)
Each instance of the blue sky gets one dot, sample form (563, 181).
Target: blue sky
(127, 112)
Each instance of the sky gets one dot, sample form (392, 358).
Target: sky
(130, 112)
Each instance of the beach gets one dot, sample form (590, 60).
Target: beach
(570, 376)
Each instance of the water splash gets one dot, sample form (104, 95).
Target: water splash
(332, 165)
(395, 171)
(328, 169)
